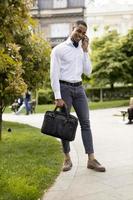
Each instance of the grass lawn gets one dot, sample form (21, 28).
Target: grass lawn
(29, 162)
(92, 106)
(108, 104)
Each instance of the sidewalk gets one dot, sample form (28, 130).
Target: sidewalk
(113, 143)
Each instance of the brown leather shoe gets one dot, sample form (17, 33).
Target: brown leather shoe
(67, 165)
(94, 164)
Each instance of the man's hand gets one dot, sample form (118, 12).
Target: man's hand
(85, 43)
(59, 102)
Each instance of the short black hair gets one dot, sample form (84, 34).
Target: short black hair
(82, 22)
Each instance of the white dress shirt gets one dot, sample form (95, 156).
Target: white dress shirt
(68, 64)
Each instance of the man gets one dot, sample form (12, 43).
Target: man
(130, 111)
(68, 61)
(27, 100)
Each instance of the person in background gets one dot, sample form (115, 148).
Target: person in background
(20, 101)
(130, 111)
(21, 104)
(69, 60)
(27, 100)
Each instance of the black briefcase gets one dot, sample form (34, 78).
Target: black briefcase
(60, 124)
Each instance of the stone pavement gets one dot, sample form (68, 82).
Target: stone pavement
(113, 143)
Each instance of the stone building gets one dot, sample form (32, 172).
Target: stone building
(117, 14)
(56, 17)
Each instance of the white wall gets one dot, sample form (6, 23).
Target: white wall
(118, 14)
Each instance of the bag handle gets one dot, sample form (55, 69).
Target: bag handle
(66, 110)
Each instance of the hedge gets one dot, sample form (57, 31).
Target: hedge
(117, 93)
(45, 97)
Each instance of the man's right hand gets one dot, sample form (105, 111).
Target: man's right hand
(59, 102)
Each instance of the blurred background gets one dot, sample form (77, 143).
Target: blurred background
(56, 16)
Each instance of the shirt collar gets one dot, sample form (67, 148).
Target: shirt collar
(69, 42)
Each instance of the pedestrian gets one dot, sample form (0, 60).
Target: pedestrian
(69, 60)
(21, 104)
(27, 100)
(130, 111)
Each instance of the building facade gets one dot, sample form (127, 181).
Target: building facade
(56, 17)
(116, 14)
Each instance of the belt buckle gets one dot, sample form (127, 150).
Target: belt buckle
(73, 84)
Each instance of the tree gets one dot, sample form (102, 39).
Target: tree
(127, 49)
(108, 59)
(24, 57)
(11, 81)
(14, 19)
(35, 60)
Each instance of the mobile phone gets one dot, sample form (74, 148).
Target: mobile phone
(83, 39)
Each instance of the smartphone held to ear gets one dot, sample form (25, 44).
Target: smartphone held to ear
(85, 43)
(85, 38)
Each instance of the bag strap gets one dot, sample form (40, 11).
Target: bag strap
(66, 110)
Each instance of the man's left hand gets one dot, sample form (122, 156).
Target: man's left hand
(85, 43)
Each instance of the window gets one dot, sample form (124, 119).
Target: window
(59, 30)
(35, 3)
(60, 3)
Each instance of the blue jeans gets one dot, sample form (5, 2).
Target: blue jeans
(27, 106)
(76, 96)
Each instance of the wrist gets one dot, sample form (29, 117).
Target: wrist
(86, 50)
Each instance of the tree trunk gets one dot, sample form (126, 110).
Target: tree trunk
(36, 96)
(0, 117)
(0, 126)
(112, 86)
(101, 94)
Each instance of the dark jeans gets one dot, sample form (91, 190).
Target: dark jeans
(130, 114)
(76, 96)
(27, 106)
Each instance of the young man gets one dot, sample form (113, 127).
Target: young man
(69, 60)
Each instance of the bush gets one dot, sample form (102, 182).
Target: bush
(117, 93)
(45, 97)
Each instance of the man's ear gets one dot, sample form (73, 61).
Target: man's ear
(73, 27)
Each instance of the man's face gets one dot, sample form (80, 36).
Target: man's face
(78, 32)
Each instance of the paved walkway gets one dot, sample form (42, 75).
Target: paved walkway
(113, 142)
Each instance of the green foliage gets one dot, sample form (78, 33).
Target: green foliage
(127, 49)
(92, 105)
(108, 94)
(36, 60)
(108, 104)
(109, 56)
(24, 57)
(108, 60)
(12, 83)
(30, 162)
(14, 19)
(20, 49)
(45, 97)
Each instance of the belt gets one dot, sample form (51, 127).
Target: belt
(71, 84)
